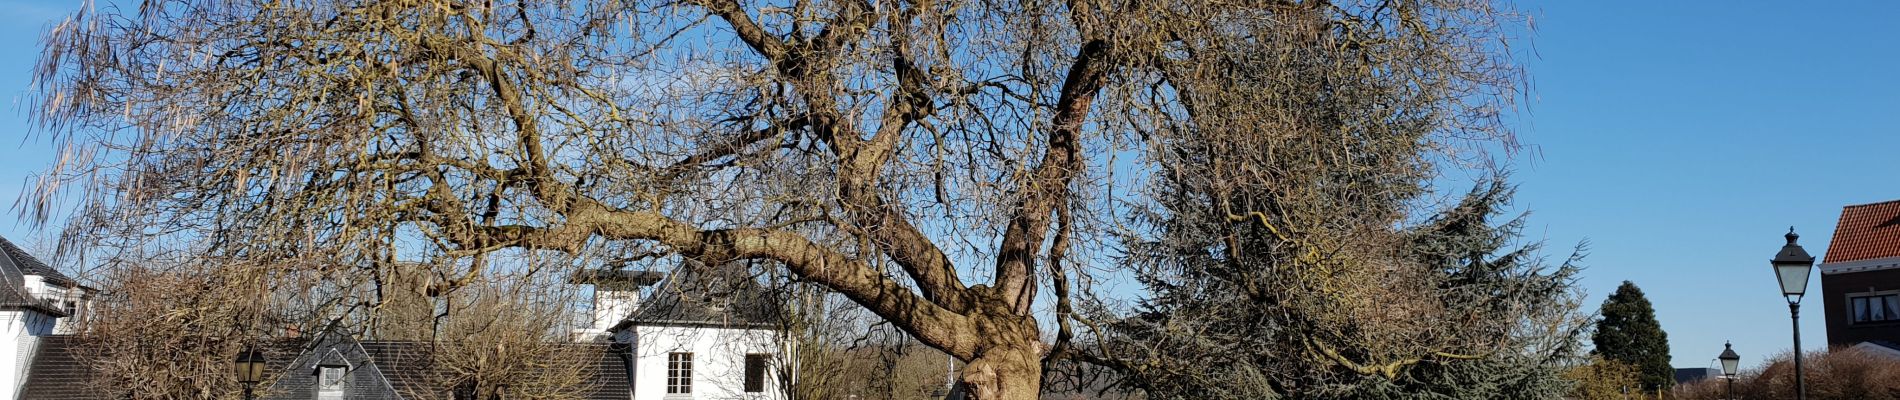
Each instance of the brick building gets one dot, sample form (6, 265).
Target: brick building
(1860, 277)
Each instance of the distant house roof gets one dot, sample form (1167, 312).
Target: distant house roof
(1686, 375)
(1880, 347)
(701, 296)
(1866, 231)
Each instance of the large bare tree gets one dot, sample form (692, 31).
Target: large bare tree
(935, 161)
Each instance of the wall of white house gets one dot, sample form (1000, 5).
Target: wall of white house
(19, 337)
(38, 287)
(77, 303)
(718, 366)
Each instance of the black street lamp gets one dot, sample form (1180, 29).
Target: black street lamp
(249, 368)
(1792, 267)
(1730, 362)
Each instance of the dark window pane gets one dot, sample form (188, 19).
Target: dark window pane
(755, 373)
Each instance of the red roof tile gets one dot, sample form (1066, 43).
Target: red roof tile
(1866, 231)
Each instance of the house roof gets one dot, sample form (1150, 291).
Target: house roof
(32, 266)
(410, 368)
(13, 295)
(1879, 347)
(699, 296)
(58, 372)
(615, 279)
(1866, 231)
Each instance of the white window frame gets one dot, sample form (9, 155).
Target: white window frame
(1873, 307)
(679, 373)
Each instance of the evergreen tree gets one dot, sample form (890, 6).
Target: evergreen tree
(1629, 333)
(1482, 318)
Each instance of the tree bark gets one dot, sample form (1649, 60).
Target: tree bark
(1009, 372)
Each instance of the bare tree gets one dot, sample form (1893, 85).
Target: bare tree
(168, 328)
(936, 162)
(502, 341)
(169, 333)
(1839, 373)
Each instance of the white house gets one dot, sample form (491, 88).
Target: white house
(702, 334)
(35, 301)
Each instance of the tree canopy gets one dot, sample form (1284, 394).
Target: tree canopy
(939, 162)
(1629, 333)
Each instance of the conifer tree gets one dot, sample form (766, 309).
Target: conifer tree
(1629, 333)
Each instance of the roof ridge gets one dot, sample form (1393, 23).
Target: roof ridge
(1871, 204)
(1865, 231)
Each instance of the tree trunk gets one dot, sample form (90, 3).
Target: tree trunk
(1009, 372)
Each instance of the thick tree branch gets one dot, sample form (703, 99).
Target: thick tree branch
(860, 162)
(1048, 188)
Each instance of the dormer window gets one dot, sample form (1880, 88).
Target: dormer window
(330, 380)
(333, 376)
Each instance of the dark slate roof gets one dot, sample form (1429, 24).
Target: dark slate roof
(13, 294)
(408, 367)
(726, 296)
(57, 371)
(32, 266)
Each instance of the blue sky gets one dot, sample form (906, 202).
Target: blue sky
(1680, 138)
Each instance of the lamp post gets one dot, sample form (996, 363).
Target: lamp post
(249, 368)
(1730, 362)
(1792, 267)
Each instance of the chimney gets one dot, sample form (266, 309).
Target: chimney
(616, 296)
(613, 303)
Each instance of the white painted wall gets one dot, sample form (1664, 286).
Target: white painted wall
(19, 337)
(718, 361)
(81, 301)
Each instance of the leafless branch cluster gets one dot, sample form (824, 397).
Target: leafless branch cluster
(936, 162)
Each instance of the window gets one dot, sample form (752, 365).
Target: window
(330, 382)
(679, 373)
(755, 372)
(1876, 308)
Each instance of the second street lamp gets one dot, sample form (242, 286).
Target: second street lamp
(1730, 362)
(1792, 267)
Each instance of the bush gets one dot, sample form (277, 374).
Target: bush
(1604, 379)
(1843, 374)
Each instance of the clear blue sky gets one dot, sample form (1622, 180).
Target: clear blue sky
(1680, 138)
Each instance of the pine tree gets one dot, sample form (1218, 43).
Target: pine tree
(1629, 333)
